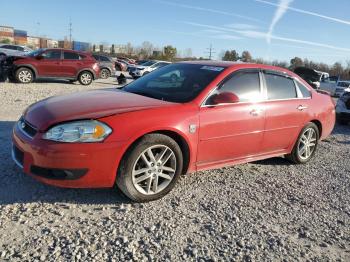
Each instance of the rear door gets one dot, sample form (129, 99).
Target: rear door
(286, 111)
(50, 64)
(71, 63)
(232, 131)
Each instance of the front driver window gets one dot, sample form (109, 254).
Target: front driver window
(52, 54)
(244, 84)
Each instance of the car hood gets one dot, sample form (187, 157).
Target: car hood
(86, 105)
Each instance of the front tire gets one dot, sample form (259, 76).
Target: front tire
(24, 75)
(306, 145)
(150, 168)
(105, 73)
(85, 78)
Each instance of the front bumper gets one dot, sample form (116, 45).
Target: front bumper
(73, 165)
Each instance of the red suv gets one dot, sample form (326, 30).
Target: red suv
(54, 63)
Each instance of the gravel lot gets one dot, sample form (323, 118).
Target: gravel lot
(263, 211)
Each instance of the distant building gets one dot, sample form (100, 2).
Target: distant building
(65, 44)
(33, 42)
(7, 34)
(52, 43)
(20, 37)
(120, 49)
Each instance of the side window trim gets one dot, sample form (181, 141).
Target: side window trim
(249, 70)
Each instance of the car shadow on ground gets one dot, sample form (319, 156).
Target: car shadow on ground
(16, 187)
(280, 161)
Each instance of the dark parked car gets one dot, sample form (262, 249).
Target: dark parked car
(53, 63)
(107, 66)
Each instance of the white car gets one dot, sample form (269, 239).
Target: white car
(343, 109)
(342, 86)
(13, 50)
(145, 68)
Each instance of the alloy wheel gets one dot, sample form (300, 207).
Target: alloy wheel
(307, 143)
(86, 78)
(104, 73)
(25, 76)
(154, 169)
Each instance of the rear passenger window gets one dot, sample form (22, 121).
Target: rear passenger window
(246, 85)
(104, 59)
(71, 56)
(303, 89)
(279, 87)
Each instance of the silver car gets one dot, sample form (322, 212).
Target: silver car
(13, 50)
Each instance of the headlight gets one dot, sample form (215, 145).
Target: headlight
(79, 131)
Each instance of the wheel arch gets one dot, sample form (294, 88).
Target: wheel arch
(179, 139)
(35, 73)
(88, 70)
(319, 126)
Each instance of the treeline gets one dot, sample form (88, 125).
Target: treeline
(146, 51)
(337, 69)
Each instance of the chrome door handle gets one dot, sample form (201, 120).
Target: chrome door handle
(301, 107)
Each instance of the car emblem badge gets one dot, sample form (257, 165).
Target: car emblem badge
(23, 125)
(192, 128)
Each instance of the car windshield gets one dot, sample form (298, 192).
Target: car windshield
(179, 83)
(34, 53)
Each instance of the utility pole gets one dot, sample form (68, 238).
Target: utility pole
(210, 51)
(70, 30)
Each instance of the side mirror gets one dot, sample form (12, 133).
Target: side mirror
(39, 57)
(225, 98)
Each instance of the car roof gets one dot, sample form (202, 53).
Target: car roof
(230, 64)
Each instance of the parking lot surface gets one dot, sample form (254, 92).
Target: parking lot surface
(263, 211)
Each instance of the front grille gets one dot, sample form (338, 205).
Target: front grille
(18, 155)
(27, 128)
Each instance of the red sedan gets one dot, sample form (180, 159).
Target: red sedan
(181, 118)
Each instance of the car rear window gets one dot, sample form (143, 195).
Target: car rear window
(279, 87)
(71, 56)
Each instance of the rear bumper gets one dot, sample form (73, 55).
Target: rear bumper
(73, 165)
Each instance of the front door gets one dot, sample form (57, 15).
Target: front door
(49, 64)
(232, 131)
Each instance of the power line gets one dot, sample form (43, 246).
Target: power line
(210, 51)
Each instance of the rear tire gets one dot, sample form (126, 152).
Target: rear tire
(306, 145)
(150, 168)
(85, 78)
(24, 75)
(105, 73)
